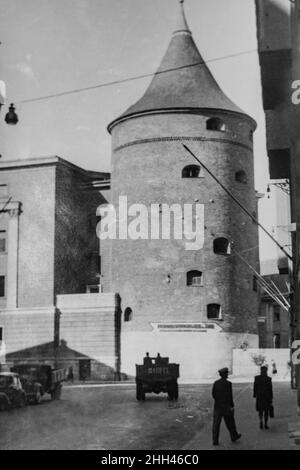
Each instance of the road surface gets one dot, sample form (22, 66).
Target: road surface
(110, 418)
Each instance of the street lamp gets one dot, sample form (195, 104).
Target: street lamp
(11, 117)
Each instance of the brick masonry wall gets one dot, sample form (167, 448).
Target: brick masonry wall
(147, 162)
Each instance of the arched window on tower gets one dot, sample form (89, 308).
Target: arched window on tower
(128, 314)
(241, 177)
(222, 246)
(192, 171)
(216, 124)
(214, 312)
(194, 278)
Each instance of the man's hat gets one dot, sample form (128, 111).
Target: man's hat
(225, 370)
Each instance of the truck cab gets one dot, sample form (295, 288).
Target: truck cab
(11, 391)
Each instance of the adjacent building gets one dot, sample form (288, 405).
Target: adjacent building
(278, 43)
(50, 306)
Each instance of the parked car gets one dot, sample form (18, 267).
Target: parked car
(38, 379)
(11, 391)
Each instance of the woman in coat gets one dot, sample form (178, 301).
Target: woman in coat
(263, 392)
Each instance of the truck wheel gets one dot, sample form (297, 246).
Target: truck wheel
(175, 391)
(3, 405)
(37, 398)
(22, 401)
(56, 394)
(170, 391)
(139, 391)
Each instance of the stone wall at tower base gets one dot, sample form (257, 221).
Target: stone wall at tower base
(199, 349)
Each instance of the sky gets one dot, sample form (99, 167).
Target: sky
(52, 46)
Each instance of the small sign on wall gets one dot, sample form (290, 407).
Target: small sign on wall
(204, 327)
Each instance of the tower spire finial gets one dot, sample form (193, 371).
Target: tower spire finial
(181, 23)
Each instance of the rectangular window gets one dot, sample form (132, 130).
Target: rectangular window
(197, 281)
(276, 311)
(1, 333)
(276, 340)
(93, 289)
(214, 312)
(2, 241)
(2, 286)
(254, 284)
(98, 263)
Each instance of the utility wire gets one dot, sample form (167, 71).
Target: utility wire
(268, 288)
(263, 283)
(254, 219)
(280, 293)
(131, 79)
(5, 204)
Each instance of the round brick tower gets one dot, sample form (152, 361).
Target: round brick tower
(162, 284)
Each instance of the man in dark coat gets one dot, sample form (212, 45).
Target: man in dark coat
(263, 392)
(224, 407)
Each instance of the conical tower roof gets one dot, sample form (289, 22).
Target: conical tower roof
(182, 81)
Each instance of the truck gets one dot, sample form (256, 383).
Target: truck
(38, 379)
(11, 391)
(157, 375)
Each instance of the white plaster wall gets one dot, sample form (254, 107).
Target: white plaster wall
(244, 364)
(200, 354)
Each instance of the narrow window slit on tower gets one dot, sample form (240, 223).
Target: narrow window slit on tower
(2, 286)
(194, 278)
(214, 312)
(222, 246)
(216, 124)
(241, 177)
(128, 314)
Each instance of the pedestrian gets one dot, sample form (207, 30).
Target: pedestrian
(71, 375)
(223, 407)
(158, 359)
(274, 367)
(147, 360)
(263, 392)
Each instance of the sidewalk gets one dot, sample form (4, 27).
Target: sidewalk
(277, 438)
